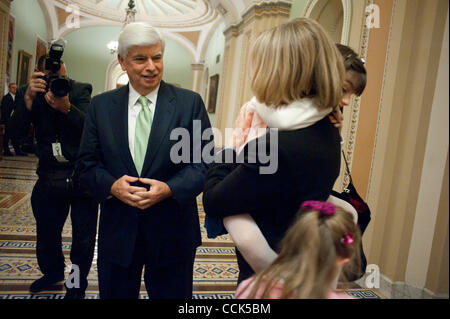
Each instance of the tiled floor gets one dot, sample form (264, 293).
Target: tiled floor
(215, 270)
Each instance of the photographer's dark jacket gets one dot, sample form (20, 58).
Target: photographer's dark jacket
(52, 126)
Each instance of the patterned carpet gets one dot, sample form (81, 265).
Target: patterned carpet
(215, 269)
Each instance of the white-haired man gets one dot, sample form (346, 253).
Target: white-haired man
(149, 213)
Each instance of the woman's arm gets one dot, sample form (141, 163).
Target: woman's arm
(250, 241)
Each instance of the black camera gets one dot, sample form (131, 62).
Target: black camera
(59, 85)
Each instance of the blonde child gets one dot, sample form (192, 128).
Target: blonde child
(321, 241)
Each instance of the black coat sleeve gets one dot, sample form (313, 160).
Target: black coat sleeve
(5, 109)
(21, 119)
(239, 187)
(88, 165)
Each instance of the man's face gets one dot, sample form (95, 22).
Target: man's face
(13, 88)
(144, 66)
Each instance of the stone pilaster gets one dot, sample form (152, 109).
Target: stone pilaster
(197, 77)
(4, 29)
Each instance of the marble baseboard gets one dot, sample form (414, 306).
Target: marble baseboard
(401, 289)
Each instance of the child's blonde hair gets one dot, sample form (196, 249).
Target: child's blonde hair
(296, 60)
(307, 263)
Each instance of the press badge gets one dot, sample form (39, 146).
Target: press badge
(57, 152)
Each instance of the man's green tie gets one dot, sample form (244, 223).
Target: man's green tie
(143, 126)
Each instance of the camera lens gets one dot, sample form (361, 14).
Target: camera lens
(60, 87)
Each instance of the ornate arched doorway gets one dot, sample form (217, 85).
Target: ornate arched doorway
(333, 15)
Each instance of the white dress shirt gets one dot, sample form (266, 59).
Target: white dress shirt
(14, 99)
(134, 107)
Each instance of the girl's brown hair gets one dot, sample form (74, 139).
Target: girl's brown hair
(306, 265)
(352, 62)
(296, 60)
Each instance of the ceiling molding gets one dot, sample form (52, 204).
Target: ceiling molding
(192, 36)
(194, 33)
(160, 13)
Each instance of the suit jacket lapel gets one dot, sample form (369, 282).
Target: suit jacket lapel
(119, 120)
(164, 111)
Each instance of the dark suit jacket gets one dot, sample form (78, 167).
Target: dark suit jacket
(173, 225)
(21, 119)
(7, 106)
(308, 165)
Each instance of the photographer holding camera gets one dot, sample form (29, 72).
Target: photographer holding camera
(57, 106)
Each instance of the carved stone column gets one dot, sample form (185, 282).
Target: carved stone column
(197, 77)
(4, 28)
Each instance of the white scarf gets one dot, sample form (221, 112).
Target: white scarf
(296, 115)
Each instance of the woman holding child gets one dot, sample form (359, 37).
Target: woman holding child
(297, 79)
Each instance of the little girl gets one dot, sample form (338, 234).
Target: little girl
(322, 240)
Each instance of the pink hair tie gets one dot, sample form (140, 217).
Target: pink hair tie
(347, 239)
(325, 208)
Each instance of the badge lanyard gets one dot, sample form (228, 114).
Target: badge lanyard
(57, 149)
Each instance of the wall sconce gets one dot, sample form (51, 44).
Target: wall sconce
(113, 46)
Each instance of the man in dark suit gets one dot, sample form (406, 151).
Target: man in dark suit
(59, 124)
(149, 212)
(8, 107)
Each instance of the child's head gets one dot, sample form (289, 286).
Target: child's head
(355, 74)
(321, 239)
(296, 60)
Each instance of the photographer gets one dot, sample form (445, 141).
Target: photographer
(57, 106)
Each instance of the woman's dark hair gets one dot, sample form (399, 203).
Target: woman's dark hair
(353, 62)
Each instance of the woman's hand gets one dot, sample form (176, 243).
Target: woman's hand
(240, 132)
(337, 118)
